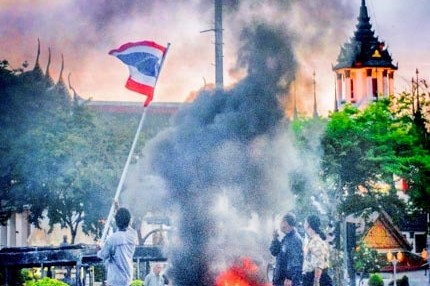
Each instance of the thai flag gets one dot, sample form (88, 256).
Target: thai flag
(144, 62)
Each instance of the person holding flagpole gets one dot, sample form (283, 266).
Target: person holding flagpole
(118, 250)
(144, 60)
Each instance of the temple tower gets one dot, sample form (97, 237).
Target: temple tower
(364, 69)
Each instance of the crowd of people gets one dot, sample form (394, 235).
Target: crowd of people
(298, 263)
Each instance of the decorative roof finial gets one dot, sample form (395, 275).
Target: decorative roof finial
(49, 63)
(60, 78)
(418, 91)
(76, 98)
(47, 75)
(36, 65)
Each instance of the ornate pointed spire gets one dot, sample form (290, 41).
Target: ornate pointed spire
(418, 91)
(364, 49)
(61, 85)
(76, 98)
(36, 64)
(315, 113)
(364, 28)
(47, 74)
(36, 72)
(60, 77)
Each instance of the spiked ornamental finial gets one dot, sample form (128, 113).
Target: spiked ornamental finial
(36, 64)
(76, 98)
(37, 71)
(60, 78)
(61, 85)
(47, 74)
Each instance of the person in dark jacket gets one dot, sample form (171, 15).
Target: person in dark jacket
(288, 252)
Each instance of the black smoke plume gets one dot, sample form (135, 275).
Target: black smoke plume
(213, 147)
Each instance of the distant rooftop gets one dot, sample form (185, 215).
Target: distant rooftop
(364, 49)
(134, 107)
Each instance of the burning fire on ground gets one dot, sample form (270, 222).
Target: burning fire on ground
(243, 273)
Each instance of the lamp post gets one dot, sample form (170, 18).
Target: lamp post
(394, 259)
(425, 257)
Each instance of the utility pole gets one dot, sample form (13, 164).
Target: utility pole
(219, 57)
(219, 78)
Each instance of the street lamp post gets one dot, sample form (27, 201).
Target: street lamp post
(394, 259)
(425, 257)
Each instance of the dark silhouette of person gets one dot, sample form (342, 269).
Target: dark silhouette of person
(288, 252)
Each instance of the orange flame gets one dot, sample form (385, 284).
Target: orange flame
(244, 273)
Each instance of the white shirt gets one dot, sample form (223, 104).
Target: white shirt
(153, 280)
(117, 253)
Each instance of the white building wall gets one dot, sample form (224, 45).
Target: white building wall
(11, 232)
(21, 230)
(3, 236)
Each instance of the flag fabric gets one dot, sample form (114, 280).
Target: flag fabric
(144, 61)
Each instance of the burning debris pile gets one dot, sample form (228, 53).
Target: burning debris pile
(243, 273)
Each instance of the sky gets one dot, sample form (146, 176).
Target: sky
(84, 32)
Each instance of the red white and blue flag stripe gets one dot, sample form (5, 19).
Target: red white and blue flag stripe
(144, 61)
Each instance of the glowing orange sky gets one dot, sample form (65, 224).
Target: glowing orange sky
(84, 31)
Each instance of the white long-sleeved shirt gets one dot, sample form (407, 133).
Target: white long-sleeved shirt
(117, 253)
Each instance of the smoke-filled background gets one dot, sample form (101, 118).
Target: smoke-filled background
(224, 166)
(85, 31)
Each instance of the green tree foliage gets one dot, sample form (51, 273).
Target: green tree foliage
(136, 283)
(55, 155)
(307, 133)
(414, 109)
(365, 260)
(364, 149)
(376, 280)
(46, 282)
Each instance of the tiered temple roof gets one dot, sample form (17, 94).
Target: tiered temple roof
(364, 49)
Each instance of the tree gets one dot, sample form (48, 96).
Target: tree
(365, 260)
(362, 152)
(56, 157)
(413, 109)
(306, 188)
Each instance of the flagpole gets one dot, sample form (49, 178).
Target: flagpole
(127, 163)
